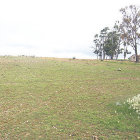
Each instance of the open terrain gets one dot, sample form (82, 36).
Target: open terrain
(48, 98)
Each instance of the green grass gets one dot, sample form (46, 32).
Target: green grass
(46, 98)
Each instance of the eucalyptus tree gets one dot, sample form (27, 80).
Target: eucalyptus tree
(97, 45)
(130, 27)
(117, 31)
(103, 38)
(111, 44)
(99, 41)
(121, 41)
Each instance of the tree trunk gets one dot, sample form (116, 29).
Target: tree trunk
(136, 53)
(124, 55)
(117, 56)
(103, 55)
(100, 56)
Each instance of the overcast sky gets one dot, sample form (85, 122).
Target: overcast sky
(55, 28)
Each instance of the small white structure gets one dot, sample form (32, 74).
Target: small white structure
(133, 58)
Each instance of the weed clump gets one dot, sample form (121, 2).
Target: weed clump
(134, 103)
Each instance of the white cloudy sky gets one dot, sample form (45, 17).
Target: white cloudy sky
(55, 28)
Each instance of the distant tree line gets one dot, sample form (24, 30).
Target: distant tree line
(112, 42)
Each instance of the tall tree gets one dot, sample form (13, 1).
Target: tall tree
(124, 50)
(99, 41)
(103, 38)
(130, 27)
(111, 44)
(117, 31)
(97, 45)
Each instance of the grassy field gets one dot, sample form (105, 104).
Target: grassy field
(65, 99)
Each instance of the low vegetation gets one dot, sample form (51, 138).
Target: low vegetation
(48, 98)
